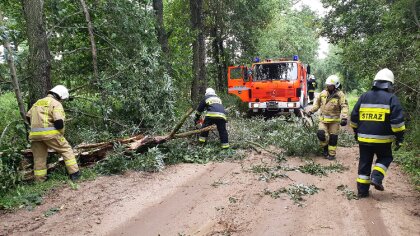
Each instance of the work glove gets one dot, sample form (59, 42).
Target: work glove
(343, 122)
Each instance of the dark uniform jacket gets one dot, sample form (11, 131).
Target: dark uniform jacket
(311, 85)
(378, 117)
(213, 107)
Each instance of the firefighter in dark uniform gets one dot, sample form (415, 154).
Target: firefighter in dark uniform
(214, 113)
(311, 88)
(377, 120)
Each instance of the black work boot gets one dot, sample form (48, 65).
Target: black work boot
(75, 176)
(377, 183)
(363, 194)
(362, 190)
(325, 151)
(330, 157)
(376, 180)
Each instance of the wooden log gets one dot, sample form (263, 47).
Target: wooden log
(153, 141)
(179, 125)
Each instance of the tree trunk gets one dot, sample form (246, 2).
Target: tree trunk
(10, 61)
(162, 36)
(199, 82)
(39, 53)
(92, 43)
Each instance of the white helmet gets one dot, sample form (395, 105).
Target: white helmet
(385, 75)
(61, 91)
(210, 91)
(312, 77)
(333, 80)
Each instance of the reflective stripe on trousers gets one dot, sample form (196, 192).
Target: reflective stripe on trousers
(381, 168)
(70, 162)
(363, 179)
(40, 173)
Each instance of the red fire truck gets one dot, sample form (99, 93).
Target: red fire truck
(273, 86)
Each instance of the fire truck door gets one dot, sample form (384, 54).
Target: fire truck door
(239, 82)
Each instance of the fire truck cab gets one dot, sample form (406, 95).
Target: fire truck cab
(271, 86)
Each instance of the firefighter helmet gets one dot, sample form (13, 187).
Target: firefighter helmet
(210, 91)
(333, 80)
(312, 77)
(385, 75)
(61, 92)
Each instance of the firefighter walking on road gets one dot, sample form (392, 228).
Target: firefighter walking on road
(334, 111)
(377, 120)
(311, 88)
(214, 113)
(46, 118)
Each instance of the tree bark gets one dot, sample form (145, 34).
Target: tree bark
(10, 61)
(199, 82)
(92, 43)
(39, 53)
(414, 10)
(162, 36)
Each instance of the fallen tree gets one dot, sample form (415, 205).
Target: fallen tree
(90, 153)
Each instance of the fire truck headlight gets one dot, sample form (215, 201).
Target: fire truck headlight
(255, 105)
(290, 104)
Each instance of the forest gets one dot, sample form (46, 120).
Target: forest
(136, 66)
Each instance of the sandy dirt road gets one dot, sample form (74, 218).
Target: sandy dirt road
(224, 198)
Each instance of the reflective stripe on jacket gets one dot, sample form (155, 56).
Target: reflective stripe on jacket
(212, 105)
(377, 117)
(42, 116)
(333, 107)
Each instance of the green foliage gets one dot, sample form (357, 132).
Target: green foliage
(289, 135)
(51, 211)
(267, 173)
(30, 195)
(295, 192)
(317, 169)
(9, 167)
(374, 35)
(290, 32)
(10, 111)
(350, 195)
(409, 160)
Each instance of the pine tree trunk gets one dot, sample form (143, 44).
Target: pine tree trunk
(39, 53)
(199, 82)
(162, 36)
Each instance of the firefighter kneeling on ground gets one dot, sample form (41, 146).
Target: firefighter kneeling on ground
(377, 119)
(333, 105)
(46, 118)
(214, 114)
(311, 88)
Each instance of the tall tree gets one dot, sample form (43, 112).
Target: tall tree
(39, 53)
(162, 35)
(10, 61)
(199, 82)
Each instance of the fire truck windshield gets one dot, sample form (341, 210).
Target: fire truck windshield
(275, 71)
